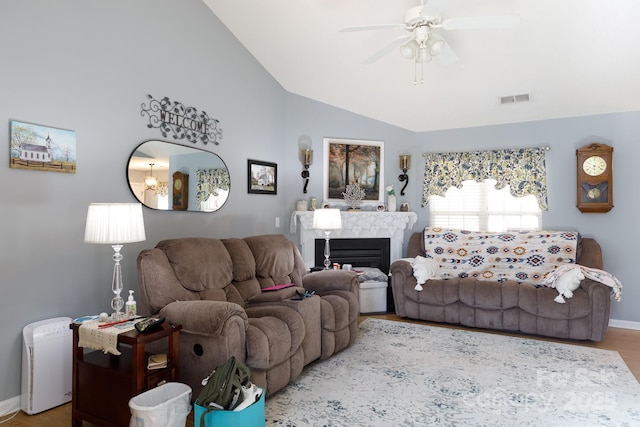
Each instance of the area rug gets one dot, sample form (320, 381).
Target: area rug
(403, 374)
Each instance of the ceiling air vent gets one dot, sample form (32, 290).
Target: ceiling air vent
(514, 98)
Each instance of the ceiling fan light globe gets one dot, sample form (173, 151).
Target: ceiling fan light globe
(408, 49)
(436, 44)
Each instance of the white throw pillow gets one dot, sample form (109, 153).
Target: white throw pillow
(424, 269)
(568, 282)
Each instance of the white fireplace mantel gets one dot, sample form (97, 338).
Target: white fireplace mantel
(356, 225)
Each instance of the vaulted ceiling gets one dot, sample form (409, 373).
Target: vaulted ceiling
(572, 57)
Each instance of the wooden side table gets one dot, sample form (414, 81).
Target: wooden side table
(103, 383)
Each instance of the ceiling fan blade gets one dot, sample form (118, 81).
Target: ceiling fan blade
(481, 22)
(373, 27)
(433, 7)
(447, 56)
(386, 49)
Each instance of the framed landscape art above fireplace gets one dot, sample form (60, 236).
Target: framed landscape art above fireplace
(348, 161)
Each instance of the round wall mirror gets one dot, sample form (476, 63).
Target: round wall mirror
(167, 176)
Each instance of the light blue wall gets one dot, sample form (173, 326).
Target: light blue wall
(88, 66)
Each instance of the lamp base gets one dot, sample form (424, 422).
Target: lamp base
(327, 250)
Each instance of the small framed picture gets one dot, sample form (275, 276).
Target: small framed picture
(262, 177)
(381, 208)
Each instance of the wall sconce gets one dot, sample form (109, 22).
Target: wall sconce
(306, 157)
(405, 165)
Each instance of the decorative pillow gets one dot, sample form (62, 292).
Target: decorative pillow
(522, 256)
(568, 282)
(424, 269)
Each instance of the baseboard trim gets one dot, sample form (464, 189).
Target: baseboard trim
(624, 324)
(9, 406)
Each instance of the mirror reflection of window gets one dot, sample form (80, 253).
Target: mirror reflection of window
(215, 200)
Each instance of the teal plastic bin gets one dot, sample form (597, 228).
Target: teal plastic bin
(252, 416)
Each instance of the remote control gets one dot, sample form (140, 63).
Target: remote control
(149, 324)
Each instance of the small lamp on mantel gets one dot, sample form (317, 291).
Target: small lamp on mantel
(115, 224)
(327, 220)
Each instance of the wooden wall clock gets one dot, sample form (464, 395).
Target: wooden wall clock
(595, 178)
(180, 191)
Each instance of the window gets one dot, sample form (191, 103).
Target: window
(478, 206)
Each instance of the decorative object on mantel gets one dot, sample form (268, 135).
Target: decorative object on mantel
(353, 196)
(391, 199)
(181, 121)
(404, 207)
(306, 157)
(327, 220)
(115, 224)
(405, 165)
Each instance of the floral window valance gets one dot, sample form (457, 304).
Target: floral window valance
(523, 169)
(208, 181)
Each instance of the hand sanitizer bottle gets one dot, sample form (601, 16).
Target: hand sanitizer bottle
(130, 306)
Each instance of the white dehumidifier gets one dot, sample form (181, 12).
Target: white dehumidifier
(46, 364)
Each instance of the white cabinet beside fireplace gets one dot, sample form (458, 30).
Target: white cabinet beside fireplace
(361, 225)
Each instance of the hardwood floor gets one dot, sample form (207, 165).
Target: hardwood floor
(625, 341)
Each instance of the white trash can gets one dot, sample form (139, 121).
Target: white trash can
(167, 405)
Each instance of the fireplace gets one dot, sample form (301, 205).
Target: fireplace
(357, 252)
(372, 252)
(364, 225)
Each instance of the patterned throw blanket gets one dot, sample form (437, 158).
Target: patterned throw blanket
(525, 257)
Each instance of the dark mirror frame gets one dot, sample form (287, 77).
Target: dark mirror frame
(205, 176)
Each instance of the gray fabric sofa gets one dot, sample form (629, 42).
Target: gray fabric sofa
(505, 306)
(214, 289)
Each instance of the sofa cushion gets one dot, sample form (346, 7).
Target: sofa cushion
(244, 268)
(274, 259)
(200, 264)
(524, 257)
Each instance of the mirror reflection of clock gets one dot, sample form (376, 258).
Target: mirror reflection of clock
(595, 193)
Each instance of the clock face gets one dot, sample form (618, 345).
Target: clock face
(177, 184)
(594, 166)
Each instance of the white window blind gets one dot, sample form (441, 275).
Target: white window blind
(478, 206)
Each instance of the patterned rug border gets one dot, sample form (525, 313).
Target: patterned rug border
(421, 375)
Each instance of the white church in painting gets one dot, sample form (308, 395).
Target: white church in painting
(35, 152)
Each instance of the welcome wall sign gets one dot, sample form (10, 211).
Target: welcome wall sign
(182, 122)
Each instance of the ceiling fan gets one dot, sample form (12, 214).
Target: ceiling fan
(422, 43)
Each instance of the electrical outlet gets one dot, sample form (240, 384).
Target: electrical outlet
(277, 222)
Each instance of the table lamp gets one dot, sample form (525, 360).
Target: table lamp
(327, 220)
(115, 224)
